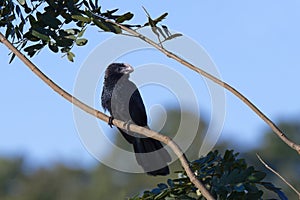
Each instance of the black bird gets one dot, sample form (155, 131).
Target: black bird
(122, 99)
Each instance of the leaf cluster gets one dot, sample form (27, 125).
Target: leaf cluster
(226, 177)
(57, 24)
(60, 25)
(160, 31)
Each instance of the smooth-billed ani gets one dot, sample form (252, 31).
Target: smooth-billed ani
(122, 99)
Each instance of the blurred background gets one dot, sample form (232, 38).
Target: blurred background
(255, 46)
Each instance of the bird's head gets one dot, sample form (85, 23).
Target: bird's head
(118, 69)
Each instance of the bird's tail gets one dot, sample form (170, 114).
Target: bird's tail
(151, 155)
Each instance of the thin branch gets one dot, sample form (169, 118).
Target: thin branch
(138, 129)
(277, 174)
(273, 126)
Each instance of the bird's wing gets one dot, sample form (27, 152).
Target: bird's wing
(137, 109)
(127, 104)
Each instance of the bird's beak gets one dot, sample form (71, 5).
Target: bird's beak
(128, 69)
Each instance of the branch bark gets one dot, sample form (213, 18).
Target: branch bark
(277, 174)
(231, 89)
(131, 127)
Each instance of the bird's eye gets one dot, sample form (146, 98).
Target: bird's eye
(119, 69)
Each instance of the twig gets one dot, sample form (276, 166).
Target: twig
(277, 174)
(273, 126)
(138, 129)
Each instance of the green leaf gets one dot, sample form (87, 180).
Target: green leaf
(125, 17)
(81, 18)
(257, 176)
(27, 9)
(70, 56)
(30, 37)
(109, 13)
(32, 20)
(34, 47)
(12, 58)
(11, 18)
(161, 32)
(162, 186)
(170, 183)
(18, 33)
(67, 17)
(80, 24)
(86, 4)
(278, 191)
(81, 41)
(193, 195)
(160, 18)
(72, 31)
(239, 187)
(53, 47)
(101, 25)
(19, 13)
(80, 34)
(228, 155)
(170, 198)
(150, 20)
(154, 30)
(156, 191)
(72, 37)
(255, 195)
(65, 49)
(39, 20)
(31, 50)
(22, 2)
(108, 27)
(166, 30)
(9, 30)
(49, 19)
(92, 4)
(153, 22)
(40, 35)
(173, 36)
(162, 195)
(23, 44)
(64, 42)
(115, 29)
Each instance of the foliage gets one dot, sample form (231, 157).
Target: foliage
(227, 177)
(60, 25)
(48, 21)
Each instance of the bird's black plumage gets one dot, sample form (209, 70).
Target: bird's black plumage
(122, 99)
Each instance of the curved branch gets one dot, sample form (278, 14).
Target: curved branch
(268, 121)
(131, 127)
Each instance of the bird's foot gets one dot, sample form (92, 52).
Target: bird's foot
(127, 124)
(110, 121)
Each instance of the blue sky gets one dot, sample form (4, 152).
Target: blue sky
(254, 44)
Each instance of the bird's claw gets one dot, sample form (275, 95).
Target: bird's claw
(110, 121)
(127, 124)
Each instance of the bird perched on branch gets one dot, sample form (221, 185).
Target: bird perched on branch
(122, 99)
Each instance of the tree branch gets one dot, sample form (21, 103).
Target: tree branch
(268, 121)
(131, 127)
(277, 174)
